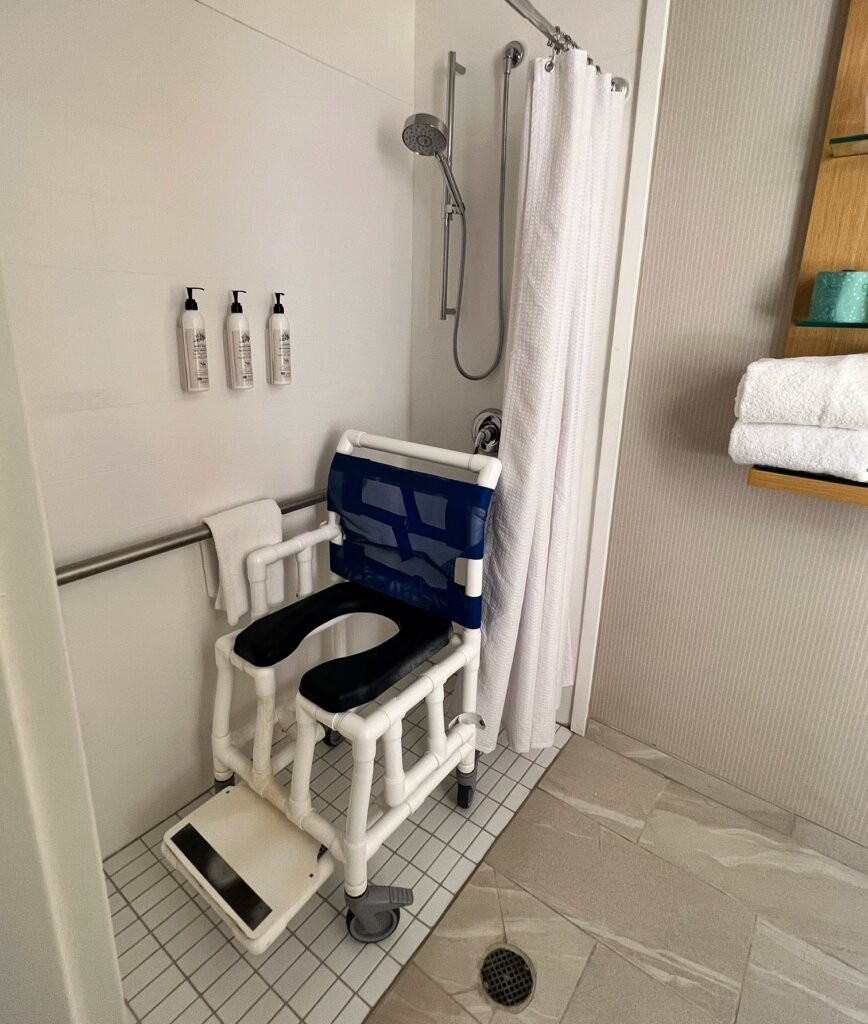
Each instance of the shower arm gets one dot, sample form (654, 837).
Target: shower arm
(451, 189)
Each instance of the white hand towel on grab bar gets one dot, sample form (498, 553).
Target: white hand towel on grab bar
(825, 450)
(236, 533)
(817, 391)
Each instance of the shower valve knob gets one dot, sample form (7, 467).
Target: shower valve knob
(486, 432)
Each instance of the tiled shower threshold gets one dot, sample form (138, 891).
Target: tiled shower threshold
(179, 964)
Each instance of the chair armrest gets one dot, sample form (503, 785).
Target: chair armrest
(259, 560)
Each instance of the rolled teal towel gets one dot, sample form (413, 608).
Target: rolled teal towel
(840, 297)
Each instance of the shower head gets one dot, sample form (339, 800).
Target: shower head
(427, 135)
(424, 134)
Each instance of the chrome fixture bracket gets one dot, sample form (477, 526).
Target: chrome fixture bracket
(513, 55)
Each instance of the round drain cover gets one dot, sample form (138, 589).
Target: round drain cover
(507, 977)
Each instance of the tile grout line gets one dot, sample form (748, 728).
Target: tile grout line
(714, 778)
(598, 941)
(658, 856)
(746, 967)
(647, 821)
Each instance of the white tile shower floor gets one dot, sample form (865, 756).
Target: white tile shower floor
(179, 964)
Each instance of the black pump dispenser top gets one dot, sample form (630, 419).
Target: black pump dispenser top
(236, 305)
(190, 302)
(278, 305)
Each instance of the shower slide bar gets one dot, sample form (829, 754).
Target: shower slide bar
(449, 206)
(96, 564)
(559, 41)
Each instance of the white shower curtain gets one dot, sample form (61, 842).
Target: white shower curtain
(558, 350)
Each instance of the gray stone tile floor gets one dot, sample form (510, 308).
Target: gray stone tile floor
(179, 964)
(639, 900)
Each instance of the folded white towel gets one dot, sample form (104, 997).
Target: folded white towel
(820, 391)
(236, 533)
(825, 450)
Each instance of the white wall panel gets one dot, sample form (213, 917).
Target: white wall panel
(151, 146)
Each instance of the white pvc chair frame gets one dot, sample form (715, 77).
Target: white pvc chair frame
(448, 748)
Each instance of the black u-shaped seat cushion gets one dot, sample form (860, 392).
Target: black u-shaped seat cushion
(345, 683)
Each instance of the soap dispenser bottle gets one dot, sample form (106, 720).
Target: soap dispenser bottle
(239, 360)
(279, 356)
(192, 348)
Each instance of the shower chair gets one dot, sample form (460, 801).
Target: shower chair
(404, 545)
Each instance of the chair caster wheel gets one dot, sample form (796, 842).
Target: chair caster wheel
(465, 796)
(332, 738)
(221, 784)
(387, 922)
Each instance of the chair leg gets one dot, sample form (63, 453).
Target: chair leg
(356, 870)
(466, 773)
(305, 744)
(393, 757)
(373, 911)
(436, 724)
(468, 706)
(264, 734)
(223, 775)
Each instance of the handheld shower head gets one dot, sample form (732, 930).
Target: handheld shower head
(424, 134)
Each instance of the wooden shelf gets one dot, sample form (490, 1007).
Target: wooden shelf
(828, 487)
(839, 215)
(826, 341)
(836, 238)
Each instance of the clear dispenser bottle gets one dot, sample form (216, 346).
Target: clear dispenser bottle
(279, 354)
(239, 358)
(192, 348)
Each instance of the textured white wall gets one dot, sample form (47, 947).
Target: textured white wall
(443, 403)
(734, 629)
(167, 144)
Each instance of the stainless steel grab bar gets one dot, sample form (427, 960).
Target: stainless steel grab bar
(96, 564)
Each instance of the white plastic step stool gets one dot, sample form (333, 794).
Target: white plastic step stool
(249, 861)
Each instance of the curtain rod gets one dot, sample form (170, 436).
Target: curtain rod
(558, 40)
(96, 564)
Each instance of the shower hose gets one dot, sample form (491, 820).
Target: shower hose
(501, 288)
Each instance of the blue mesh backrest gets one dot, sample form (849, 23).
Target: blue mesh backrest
(403, 532)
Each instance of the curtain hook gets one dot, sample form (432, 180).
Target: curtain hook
(550, 63)
(558, 42)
